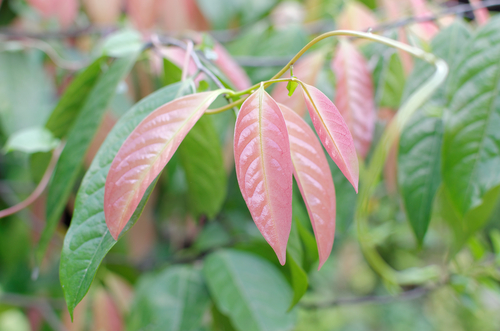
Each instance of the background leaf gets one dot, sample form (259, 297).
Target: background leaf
(471, 146)
(201, 157)
(249, 290)
(175, 300)
(79, 139)
(31, 140)
(88, 240)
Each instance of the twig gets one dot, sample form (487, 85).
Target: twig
(39, 189)
(385, 299)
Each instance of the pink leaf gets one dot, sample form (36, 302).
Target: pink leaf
(146, 152)
(103, 12)
(182, 15)
(142, 13)
(425, 30)
(333, 132)
(66, 11)
(356, 16)
(354, 95)
(264, 168)
(231, 69)
(306, 70)
(314, 179)
(44, 7)
(482, 15)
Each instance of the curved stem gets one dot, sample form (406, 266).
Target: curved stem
(39, 189)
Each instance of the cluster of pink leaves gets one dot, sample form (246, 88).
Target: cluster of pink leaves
(272, 143)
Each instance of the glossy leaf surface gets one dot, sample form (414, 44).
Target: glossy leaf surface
(307, 70)
(250, 290)
(471, 152)
(88, 239)
(201, 157)
(264, 168)
(419, 157)
(79, 139)
(313, 176)
(64, 114)
(146, 152)
(177, 297)
(354, 95)
(333, 132)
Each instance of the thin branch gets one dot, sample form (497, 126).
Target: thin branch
(39, 189)
(377, 299)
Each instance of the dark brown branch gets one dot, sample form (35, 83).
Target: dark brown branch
(376, 299)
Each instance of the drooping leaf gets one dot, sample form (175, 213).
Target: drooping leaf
(264, 168)
(333, 132)
(31, 140)
(354, 95)
(313, 176)
(201, 157)
(176, 300)
(307, 70)
(419, 158)
(73, 99)
(250, 290)
(79, 139)
(88, 239)
(419, 168)
(146, 152)
(471, 152)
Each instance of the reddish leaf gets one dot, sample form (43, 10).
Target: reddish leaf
(103, 12)
(306, 70)
(145, 152)
(333, 132)
(356, 16)
(186, 16)
(482, 15)
(425, 30)
(142, 13)
(231, 69)
(106, 313)
(314, 179)
(44, 7)
(354, 95)
(65, 10)
(264, 168)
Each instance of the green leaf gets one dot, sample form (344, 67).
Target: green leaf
(294, 258)
(304, 229)
(201, 157)
(220, 322)
(291, 86)
(419, 168)
(123, 43)
(64, 114)
(465, 226)
(392, 82)
(419, 157)
(495, 239)
(175, 300)
(250, 290)
(171, 73)
(31, 140)
(471, 142)
(79, 138)
(26, 92)
(212, 236)
(88, 240)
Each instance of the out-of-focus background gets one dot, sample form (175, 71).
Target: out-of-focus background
(44, 43)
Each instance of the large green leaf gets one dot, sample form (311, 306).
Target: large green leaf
(250, 290)
(73, 99)
(26, 92)
(201, 157)
(392, 82)
(174, 300)
(295, 258)
(79, 138)
(471, 143)
(419, 157)
(88, 240)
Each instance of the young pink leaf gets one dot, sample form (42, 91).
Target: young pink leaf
(314, 179)
(145, 152)
(264, 168)
(356, 16)
(425, 30)
(306, 70)
(66, 11)
(482, 15)
(231, 69)
(142, 13)
(333, 132)
(354, 95)
(103, 12)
